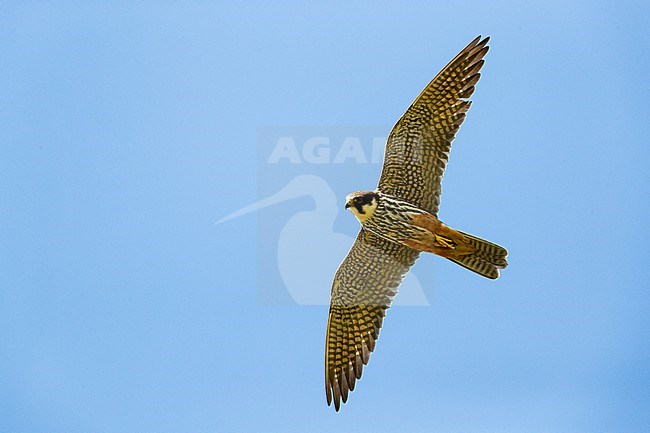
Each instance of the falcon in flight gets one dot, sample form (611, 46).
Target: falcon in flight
(399, 221)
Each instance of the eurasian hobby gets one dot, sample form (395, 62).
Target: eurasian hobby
(399, 221)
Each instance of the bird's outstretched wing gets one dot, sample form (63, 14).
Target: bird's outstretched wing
(362, 291)
(418, 147)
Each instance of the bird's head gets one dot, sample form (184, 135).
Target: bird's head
(362, 204)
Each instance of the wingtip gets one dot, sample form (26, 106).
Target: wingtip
(328, 394)
(479, 43)
(480, 40)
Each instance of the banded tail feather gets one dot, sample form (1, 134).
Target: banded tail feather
(486, 260)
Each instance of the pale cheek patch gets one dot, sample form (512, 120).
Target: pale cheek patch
(368, 210)
(355, 212)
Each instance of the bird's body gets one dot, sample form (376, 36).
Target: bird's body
(399, 221)
(387, 216)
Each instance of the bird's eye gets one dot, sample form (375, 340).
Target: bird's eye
(357, 199)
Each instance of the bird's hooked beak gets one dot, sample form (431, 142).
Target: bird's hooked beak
(348, 205)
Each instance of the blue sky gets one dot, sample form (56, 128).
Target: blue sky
(128, 130)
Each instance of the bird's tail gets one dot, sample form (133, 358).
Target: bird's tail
(486, 260)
